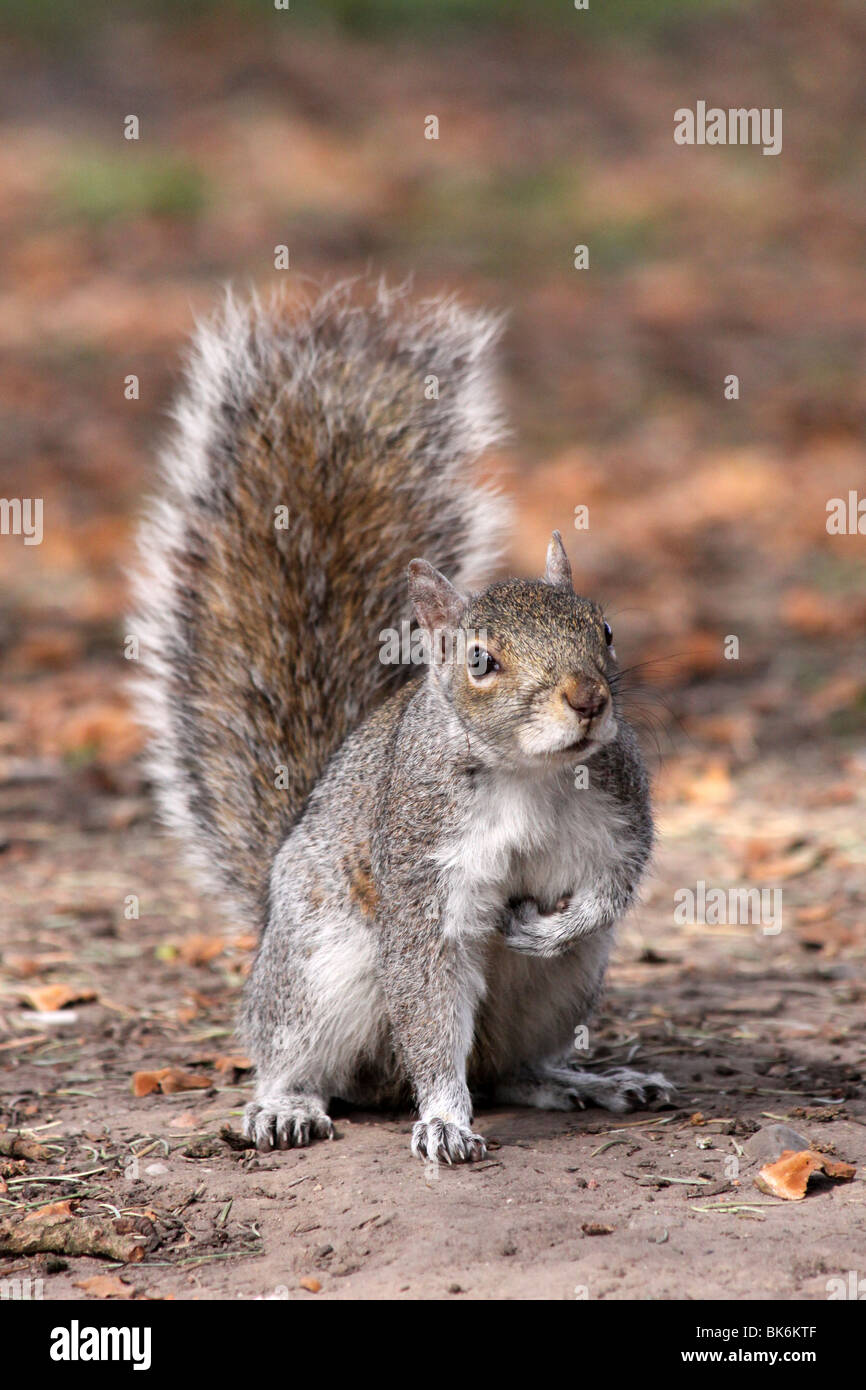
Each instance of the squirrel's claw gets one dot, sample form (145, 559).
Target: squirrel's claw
(434, 1140)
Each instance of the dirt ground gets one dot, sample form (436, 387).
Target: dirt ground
(708, 520)
(753, 1028)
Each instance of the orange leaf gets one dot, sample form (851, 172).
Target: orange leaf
(789, 1175)
(712, 787)
(838, 1168)
(48, 998)
(105, 1286)
(177, 1080)
(199, 949)
(52, 1209)
(143, 1082)
(310, 1284)
(168, 1080)
(233, 1061)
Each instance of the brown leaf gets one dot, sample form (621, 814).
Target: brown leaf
(108, 728)
(712, 786)
(177, 1080)
(311, 1284)
(838, 1168)
(105, 1286)
(144, 1082)
(232, 1061)
(819, 912)
(791, 863)
(186, 1121)
(199, 949)
(789, 1175)
(168, 1080)
(810, 612)
(52, 1209)
(23, 966)
(48, 998)
(597, 1228)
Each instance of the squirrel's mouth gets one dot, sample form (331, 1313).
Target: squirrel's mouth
(584, 743)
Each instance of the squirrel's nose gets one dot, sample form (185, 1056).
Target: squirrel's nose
(585, 697)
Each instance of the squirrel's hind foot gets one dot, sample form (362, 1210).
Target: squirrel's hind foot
(567, 1088)
(288, 1122)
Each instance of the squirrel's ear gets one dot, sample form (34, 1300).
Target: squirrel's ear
(436, 602)
(558, 568)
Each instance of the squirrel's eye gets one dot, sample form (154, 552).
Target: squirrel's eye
(608, 634)
(481, 663)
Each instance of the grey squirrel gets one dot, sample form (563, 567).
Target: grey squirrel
(434, 885)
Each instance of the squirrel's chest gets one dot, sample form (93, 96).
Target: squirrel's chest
(523, 838)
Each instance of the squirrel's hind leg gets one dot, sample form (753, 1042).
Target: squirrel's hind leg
(552, 1087)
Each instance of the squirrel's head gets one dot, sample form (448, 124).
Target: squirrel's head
(525, 664)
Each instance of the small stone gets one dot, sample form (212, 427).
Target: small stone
(772, 1141)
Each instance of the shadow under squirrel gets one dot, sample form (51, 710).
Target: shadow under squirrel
(434, 883)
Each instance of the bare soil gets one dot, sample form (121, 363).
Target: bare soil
(752, 1028)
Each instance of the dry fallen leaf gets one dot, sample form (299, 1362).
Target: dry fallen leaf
(49, 998)
(168, 1080)
(789, 1175)
(233, 1061)
(187, 1120)
(838, 1168)
(52, 1209)
(105, 1286)
(712, 786)
(812, 613)
(819, 912)
(310, 1284)
(199, 949)
(22, 967)
(792, 862)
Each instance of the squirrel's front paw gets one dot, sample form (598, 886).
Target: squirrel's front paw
(444, 1139)
(291, 1122)
(534, 933)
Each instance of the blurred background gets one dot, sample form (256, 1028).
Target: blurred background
(261, 127)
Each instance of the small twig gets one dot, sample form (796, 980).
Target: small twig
(609, 1144)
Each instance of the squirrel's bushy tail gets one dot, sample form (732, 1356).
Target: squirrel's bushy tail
(259, 627)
